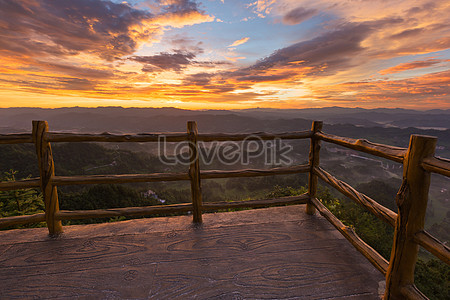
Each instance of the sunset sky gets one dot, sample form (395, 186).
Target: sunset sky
(225, 54)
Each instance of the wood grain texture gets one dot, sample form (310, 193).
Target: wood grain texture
(18, 138)
(194, 172)
(210, 137)
(314, 159)
(175, 208)
(20, 184)
(101, 179)
(390, 152)
(273, 253)
(19, 220)
(208, 174)
(412, 199)
(433, 245)
(47, 172)
(212, 206)
(373, 256)
(154, 137)
(126, 211)
(371, 205)
(116, 138)
(437, 165)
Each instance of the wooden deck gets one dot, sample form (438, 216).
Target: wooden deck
(271, 253)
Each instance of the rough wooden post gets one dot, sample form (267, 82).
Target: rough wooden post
(194, 172)
(47, 171)
(313, 162)
(412, 201)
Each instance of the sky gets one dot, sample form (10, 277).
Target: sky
(225, 54)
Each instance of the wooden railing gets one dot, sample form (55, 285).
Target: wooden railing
(418, 161)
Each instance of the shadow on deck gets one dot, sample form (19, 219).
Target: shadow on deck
(278, 252)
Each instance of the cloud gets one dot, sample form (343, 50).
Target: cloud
(407, 33)
(328, 53)
(262, 8)
(298, 15)
(239, 42)
(165, 61)
(180, 13)
(65, 27)
(413, 65)
(185, 43)
(266, 78)
(430, 90)
(176, 61)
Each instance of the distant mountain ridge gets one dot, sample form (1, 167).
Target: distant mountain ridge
(155, 119)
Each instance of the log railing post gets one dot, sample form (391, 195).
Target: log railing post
(194, 172)
(47, 172)
(411, 199)
(313, 162)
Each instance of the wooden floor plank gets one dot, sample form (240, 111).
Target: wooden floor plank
(279, 253)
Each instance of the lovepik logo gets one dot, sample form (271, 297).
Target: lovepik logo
(274, 152)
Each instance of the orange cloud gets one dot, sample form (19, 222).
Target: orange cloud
(412, 65)
(427, 91)
(239, 42)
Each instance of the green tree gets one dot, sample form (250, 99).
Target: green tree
(433, 279)
(19, 202)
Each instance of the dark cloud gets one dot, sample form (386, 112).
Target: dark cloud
(65, 27)
(77, 71)
(165, 61)
(172, 61)
(200, 79)
(325, 54)
(265, 78)
(426, 7)
(298, 15)
(81, 84)
(407, 33)
(41, 84)
(210, 82)
(186, 44)
(180, 7)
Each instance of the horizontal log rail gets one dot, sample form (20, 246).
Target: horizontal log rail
(176, 208)
(437, 165)
(19, 138)
(112, 179)
(208, 174)
(116, 138)
(411, 292)
(433, 245)
(210, 137)
(20, 220)
(373, 256)
(20, 184)
(213, 206)
(126, 211)
(390, 152)
(170, 137)
(383, 213)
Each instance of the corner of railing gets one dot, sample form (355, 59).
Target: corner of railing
(411, 200)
